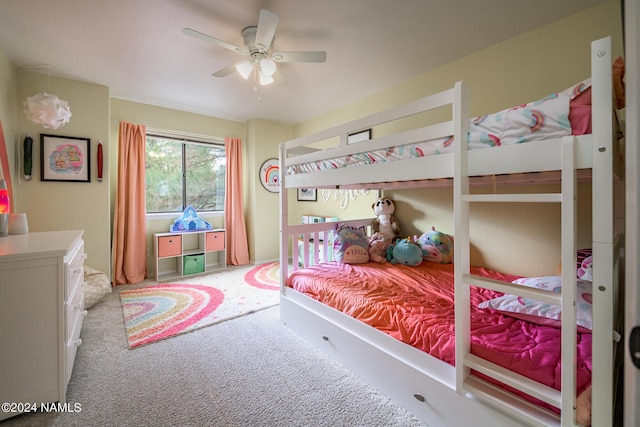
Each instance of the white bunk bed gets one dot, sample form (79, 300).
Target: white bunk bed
(435, 391)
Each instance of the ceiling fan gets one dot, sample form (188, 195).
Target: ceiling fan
(258, 41)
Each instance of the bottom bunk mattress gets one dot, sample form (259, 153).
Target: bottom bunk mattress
(416, 305)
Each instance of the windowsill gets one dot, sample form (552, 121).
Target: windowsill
(174, 215)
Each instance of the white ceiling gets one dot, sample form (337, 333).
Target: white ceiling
(138, 50)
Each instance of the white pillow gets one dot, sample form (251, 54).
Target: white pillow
(529, 309)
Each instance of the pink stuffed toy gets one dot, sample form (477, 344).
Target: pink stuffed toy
(378, 248)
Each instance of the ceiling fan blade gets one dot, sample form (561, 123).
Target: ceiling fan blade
(225, 71)
(267, 24)
(311, 56)
(206, 37)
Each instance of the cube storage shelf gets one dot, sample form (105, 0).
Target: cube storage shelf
(189, 253)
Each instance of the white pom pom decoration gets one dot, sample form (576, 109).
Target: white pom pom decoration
(47, 110)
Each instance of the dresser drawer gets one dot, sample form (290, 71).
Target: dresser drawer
(169, 246)
(71, 347)
(74, 274)
(215, 241)
(74, 317)
(73, 312)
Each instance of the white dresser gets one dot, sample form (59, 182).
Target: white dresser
(41, 313)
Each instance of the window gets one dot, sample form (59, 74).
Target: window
(182, 172)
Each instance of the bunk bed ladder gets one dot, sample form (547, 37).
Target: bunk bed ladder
(465, 361)
(603, 233)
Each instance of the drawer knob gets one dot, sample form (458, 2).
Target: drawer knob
(75, 343)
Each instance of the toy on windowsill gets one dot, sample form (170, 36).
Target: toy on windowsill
(404, 251)
(189, 221)
(436, 246)
(386, 225)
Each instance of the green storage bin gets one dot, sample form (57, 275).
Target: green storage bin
(193, 264)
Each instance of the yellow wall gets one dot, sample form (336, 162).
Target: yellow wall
(264, 138)
(519, 70)
(263, 208)
(66, 205)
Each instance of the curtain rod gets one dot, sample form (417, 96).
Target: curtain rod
(184, 135)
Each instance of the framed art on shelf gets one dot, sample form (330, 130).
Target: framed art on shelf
(361, 136)
(65, 158)
(307, 195)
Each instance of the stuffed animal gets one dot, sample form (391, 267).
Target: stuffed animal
(436, 246)
(385, 224)
(404, 251)
(378, 248)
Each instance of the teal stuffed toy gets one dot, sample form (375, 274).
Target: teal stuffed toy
(406, 252)
(436, 246)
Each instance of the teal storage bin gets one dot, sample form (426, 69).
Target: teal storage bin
(193, 264)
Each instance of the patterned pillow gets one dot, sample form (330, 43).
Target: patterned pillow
(542, 119)
(351, 245)
(542, 312)
(585, 264)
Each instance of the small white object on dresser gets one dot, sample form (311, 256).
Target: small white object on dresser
(41, 314)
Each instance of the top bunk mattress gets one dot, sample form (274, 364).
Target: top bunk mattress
(552, 117)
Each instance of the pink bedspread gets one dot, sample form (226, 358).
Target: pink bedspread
(415, 305)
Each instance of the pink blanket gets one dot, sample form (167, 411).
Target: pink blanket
(416, 305)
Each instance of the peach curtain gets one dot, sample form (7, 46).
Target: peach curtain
(129, 228)
(236, 232)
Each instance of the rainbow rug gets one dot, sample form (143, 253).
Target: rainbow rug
(155, 311)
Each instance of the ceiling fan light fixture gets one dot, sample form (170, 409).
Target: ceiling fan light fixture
(258, 42)
(244, 68)
(267, 66)
(265, 80)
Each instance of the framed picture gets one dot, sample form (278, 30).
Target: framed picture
(307, 195)
(270, 175)
(364, 135)
(65, 158)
